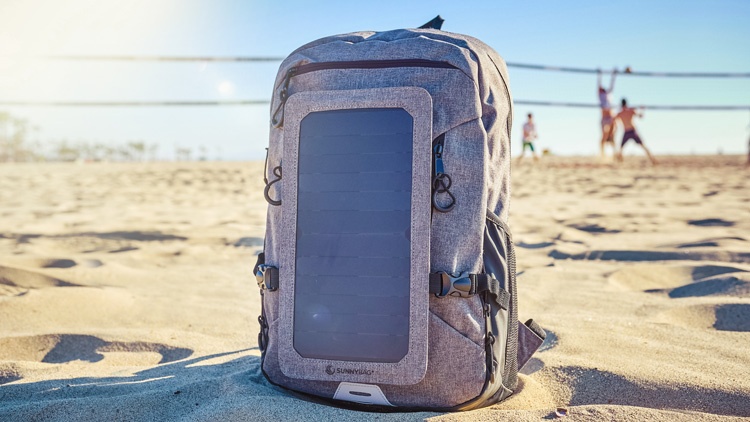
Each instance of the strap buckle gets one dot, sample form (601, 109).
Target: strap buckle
(260, 277)
(460, 286)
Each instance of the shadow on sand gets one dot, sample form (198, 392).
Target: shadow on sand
(235, 389)
(591, 386)
(192, 389)
(172, 390)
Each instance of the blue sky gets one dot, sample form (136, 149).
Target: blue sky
(646, 35)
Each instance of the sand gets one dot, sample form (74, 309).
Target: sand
(126, 293)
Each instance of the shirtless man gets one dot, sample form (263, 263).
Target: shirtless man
(608, 135)
(529, 135)
(625, 116)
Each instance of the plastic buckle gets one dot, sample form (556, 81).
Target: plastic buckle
(260, 276)
(460, 286)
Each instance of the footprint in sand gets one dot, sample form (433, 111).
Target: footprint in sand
(711, 222)
(88, 242)
(723, 317)
(593, 228)
(735, 284)
(732, 317)
(9, 373)
(533, 245)
(714, 242)
(685, 280)
(57, 263)
(54, 262)
(16, 281)
(648, 255)
(63, 348)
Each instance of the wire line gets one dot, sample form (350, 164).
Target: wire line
(200, 103)
(509, 64)
(649, 107)
(632, 73)
(132, 103)
(167, 58)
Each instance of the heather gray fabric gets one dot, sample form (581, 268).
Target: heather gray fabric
(455, 371)
(475, 97)
(471, 106)
(409, 369)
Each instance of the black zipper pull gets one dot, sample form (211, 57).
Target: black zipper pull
(276, 172)
(277, 120)
(441, 182)
(267, 190)
(438, 153)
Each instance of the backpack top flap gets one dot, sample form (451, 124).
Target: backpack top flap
(482, 93)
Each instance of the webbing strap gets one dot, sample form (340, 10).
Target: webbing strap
(270, 279)
(443, 284)
(266, 275)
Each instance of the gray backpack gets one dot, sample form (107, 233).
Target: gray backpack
(388, 271)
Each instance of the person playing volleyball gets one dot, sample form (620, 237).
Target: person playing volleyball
(625, 116)
(529, 135)
(607, 115)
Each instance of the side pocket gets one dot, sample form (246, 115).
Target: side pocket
(500, 261)
(501, 324)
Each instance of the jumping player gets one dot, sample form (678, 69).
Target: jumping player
(529, 135)
(625, 116)
(608, 136)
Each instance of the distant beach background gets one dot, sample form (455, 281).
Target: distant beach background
(84, 51)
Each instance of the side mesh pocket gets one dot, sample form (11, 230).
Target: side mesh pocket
(500, 261)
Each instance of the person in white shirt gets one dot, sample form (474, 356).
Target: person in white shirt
(608, 136)
(529, 135)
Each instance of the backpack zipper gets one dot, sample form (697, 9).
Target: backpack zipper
(277, 120)
(489, 339)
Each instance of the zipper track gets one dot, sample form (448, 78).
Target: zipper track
(371, 64)
(277, 119)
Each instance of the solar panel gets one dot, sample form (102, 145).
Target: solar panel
(353, 248)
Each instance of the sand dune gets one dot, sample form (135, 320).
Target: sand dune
(126, 293)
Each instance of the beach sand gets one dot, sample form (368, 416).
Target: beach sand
(126, 293)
